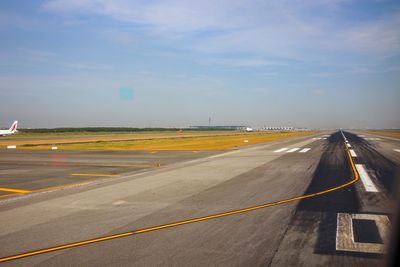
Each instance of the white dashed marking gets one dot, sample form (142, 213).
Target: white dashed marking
(291, 150)
(119, 202)
(397, 150)
(353, 153)
(348, 145)
(11, 147)
(221, 155)
(320, 138)
(366, 180)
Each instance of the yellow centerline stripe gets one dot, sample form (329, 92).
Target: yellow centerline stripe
(94, 174)
(13, 190)
(174, 224)
(65, 246)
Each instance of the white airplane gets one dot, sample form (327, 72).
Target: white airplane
(12, 130)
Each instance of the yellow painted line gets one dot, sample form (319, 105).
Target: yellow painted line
(94, 174)
(13, 190)
(178, 223)
(62, 186)
(43, 189)
(48, 188)
(153, 152)
(65, 247)
(112, 165)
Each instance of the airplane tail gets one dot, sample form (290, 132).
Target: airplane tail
(13, 127)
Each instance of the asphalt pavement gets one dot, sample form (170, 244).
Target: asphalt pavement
(190, 211)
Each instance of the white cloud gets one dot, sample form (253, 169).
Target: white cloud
(381, 36)
(299, 30)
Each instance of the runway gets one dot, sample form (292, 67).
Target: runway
(311, 231)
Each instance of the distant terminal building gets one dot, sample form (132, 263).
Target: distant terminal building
(247, 128)
(278, 128)
(227, 127)
(282, 128)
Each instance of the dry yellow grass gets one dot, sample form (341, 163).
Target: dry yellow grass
(195, 143)
(388, 133)
(50, 139)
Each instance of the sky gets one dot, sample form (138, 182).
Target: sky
(150, 63)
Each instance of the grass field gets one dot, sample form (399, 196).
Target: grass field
(388, 133)
(24, 135)
(194, 143)
(68, 138)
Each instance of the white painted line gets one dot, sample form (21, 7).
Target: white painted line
(345, 233)
(324, 138)
(366, 180)
(397, 150)
(12, 147)
(218, 155)
(292, 150)
(326, 135)
(353, 153)
(305, 150)
(362, 136)
(348, 145)
(54, 148)
(281, 150)
(119, 202)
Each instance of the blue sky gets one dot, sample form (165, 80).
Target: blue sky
(327, 63)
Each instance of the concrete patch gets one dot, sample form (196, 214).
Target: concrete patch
(345, 233)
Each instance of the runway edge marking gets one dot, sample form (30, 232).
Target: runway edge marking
(189, 221)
